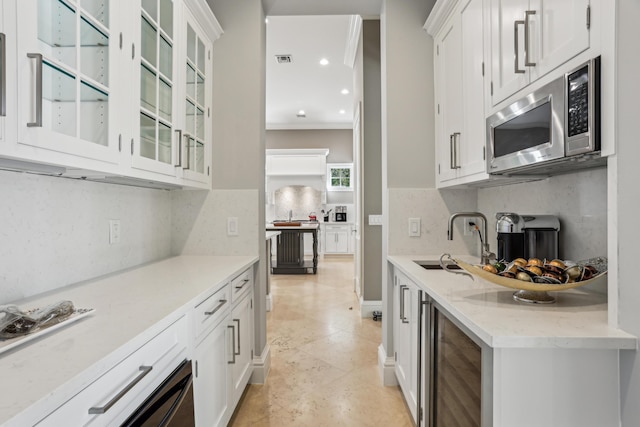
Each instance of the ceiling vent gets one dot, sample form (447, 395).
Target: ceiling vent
(284, 59)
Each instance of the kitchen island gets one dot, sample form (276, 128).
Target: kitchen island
(290, 247)
(540, 365)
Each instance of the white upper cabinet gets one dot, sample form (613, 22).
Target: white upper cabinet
(195, 101)
(68, 89)
(154, 53)
(459, 83)
(530, 38)
(109, 89)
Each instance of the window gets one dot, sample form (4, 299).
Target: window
(339, 177)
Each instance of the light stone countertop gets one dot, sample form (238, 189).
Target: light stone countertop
(577, 320)
(130, 308)
(302, 226)
(271, 234)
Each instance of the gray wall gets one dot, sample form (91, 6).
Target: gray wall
(372, 161)
(238, 123)
(338, 141)
(628, 204)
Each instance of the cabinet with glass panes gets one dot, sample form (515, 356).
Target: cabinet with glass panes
(109, 87)
(67, 53)
(173, 108)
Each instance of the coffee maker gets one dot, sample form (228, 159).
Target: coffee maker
(527, 236)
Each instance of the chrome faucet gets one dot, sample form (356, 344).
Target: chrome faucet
(486, 256)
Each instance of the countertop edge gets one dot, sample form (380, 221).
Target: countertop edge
(611, 338)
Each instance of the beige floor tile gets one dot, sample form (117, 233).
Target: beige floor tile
(324, 368)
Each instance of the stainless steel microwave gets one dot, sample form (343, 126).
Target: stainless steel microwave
(557, 127)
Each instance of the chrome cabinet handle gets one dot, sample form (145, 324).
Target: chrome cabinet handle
(218, 307)
(456, 144)
(244, 282)
(233, 337)
(239, 350)
(179, 132)
(3, 77)
(452, 164)
(144, 370)
(38, 58)
(187, 164)
(527, 61)
(515, 47)
(402, 289)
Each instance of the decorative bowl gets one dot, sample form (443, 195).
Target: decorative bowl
(529, 292)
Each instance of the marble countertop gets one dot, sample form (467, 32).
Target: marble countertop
(302, 226)
(130, 308)
(577, 320)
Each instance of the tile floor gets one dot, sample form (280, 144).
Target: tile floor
(323, 358)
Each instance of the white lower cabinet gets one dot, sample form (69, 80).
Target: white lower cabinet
(223, 353)
(406, 309)
(111, 398)
(337, 239)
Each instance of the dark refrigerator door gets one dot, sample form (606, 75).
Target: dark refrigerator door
(170, 405)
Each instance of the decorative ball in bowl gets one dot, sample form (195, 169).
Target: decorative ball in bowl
(533, 278)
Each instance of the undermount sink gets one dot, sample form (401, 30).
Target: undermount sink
(435, 265)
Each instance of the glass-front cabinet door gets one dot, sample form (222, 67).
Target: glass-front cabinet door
(154, 127)
(195, 146)
(67, 53)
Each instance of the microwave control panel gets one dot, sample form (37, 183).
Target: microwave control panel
(578, 102)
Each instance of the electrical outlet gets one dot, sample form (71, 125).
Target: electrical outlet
(468, 228)
(114, 231)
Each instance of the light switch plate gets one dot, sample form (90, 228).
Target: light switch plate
(375, 219)
(414, 227)
(232, 226)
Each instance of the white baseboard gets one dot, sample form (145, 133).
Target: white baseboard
(261, 366)
(368, 307)
(269, 302)
(387, 368)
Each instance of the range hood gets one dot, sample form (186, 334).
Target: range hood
(297, 162)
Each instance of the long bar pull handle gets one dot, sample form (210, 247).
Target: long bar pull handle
(456, 144)
(186, 137)
(515, 47)
(404, 318)
(179, 132)
(38, 58)
(244, 282)
(452, 164)
(239, 350)
(218, 307)
(233, 337)
(3, 75)
(527, 61)
(144, 370)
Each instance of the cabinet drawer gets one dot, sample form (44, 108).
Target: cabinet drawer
(210, 311)
(241, 285)
(111, 398)
(336, 227)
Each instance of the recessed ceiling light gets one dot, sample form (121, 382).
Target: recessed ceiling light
(266, 20)
(301, 113)
(344, 91)
(342, 111)
(324, 61)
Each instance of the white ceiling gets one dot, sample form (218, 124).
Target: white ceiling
(310, 30)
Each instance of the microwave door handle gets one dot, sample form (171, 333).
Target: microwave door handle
(515, 47)
(527, 61)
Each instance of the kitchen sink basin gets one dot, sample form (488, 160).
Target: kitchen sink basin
(435, 265)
